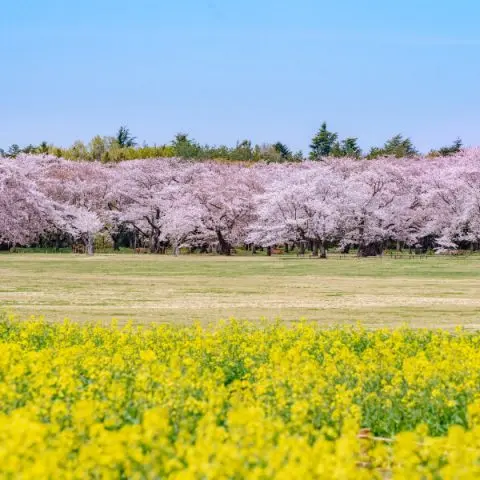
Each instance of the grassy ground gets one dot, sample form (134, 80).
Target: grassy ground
(378, 292)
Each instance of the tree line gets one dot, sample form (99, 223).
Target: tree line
(164, 203)
(124, 146)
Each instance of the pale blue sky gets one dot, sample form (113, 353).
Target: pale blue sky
(224, 70)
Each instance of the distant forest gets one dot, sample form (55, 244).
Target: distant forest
(124, 146)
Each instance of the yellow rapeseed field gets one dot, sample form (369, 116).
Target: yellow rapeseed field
(237, 400)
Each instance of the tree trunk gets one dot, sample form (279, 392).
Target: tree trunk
(155, 242)
(116, 242)
(224, 246)
(254, 249)
(315, 249)
(302, 248)
(323, 249)
(286, 248)
(269, 251)
(90, 245)
(369, 250)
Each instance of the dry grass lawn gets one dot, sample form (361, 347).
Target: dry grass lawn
(432, 292)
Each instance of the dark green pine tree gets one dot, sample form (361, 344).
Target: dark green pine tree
(399, 147)
(452, 149)
(322, 143)
(347, 148)
(124, 138)
(13, 150)
(283, 150)
(351, 148)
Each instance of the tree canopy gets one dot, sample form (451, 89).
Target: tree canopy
(419, 202)
(324, 144)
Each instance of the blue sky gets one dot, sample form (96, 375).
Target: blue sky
(224, 70)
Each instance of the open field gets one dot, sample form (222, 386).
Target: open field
(378, 292)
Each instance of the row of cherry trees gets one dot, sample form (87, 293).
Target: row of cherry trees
(420, 202)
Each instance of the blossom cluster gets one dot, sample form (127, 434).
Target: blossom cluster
(235, 400)
(417, 202)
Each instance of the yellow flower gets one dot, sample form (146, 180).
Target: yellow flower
(148, 356)
(236, 400)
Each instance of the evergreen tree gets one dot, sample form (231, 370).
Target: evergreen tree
(455, 147)
(283, 150)
(350, 147)
(397, 146)
(322, 143)
(400, 147)
(346, 148)
(43, 148)
(29, 149)
(124, 138)
(13, 150)
(184, 147)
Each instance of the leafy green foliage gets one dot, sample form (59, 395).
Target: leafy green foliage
(452, 149)
(397, 146)
(347, 148)
(123, 146)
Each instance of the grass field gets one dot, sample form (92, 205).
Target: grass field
(378, 292)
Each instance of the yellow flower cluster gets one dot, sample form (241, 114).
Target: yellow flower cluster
(236, 401)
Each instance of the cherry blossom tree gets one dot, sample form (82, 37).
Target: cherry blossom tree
(87, 193)
(370, 192)
(24, 211)
(146, 197)
(419, 202)
(299, 207)
(224, 197)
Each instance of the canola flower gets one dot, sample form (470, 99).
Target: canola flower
(237, 401)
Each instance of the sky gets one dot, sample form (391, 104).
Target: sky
(226, 70)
